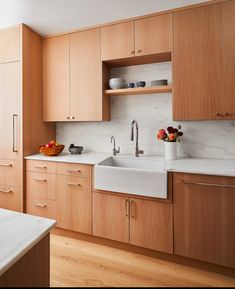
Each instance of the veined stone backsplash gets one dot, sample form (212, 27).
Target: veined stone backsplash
(212, 139)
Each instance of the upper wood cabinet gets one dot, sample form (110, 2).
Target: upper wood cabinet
(196, 63)
(153, 35)
(72, 78)
(150, 35)
(226, 104)
(204, 218)
(117, 41)
(10, 44)
(56, 78)
(85, 76)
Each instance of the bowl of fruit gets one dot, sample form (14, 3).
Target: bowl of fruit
(53, 148)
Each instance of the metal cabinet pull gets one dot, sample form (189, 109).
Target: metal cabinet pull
(73, 184)
(206, 184)
(40, 167)
(6, 165)
(14, 146)
(40, 205)
(10, 191)
(132, 209)
(127, 207)
(40, 180)
(74, 171)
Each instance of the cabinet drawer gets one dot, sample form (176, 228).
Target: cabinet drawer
(10, 198)
(41, 207)
(10, 172)
(69, 169)
(41, 166)
(41, 185)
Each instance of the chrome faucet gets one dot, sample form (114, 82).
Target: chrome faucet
(115, 151)
(137, 150)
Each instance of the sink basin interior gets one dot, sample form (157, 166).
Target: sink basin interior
(144, 164)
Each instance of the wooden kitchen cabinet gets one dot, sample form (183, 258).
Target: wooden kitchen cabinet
(141, 222)
(204, 218)
(153, 35)
(56, 78)
(21, 125)
(86, 97)
(110, 216)
(197, 63)
(146, 36)
(74, 203)
(72, 78)
(226, 104)
(117, 41)
(151, 224)
(10, 127)
(10, 44)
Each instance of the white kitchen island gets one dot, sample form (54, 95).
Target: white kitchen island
(24, 250)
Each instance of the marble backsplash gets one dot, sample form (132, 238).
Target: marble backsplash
(212, 139)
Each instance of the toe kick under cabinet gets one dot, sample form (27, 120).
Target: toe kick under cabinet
(61, 191)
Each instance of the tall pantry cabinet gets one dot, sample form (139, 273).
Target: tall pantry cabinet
(21, 125)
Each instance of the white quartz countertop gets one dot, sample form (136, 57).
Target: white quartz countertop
(220, 167)
(84, 158)
(18, 234)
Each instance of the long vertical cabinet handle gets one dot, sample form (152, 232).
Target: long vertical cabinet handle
(14, 132)
(127, 207)
(132, 209)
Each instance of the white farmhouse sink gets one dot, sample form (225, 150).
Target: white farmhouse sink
(136, 176)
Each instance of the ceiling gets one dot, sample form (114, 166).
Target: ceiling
(55, 16)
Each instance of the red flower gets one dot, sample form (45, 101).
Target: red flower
(161, 134)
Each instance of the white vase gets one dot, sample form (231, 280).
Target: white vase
(171, 149)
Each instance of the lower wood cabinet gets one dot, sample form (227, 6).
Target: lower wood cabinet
(140, 222)
(204, 218)
(151, 224)
(110, 215)
(74, 203)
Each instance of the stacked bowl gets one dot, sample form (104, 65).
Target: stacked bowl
(117, 83)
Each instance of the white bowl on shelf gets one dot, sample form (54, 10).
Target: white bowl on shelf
(117, 83)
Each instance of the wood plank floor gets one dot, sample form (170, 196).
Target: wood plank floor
(76, 263)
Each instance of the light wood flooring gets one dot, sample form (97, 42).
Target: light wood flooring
(76, 263)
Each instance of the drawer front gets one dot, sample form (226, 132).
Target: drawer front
(69, 169)
(41, 166)
(41, 185)
(10, 198)
(9, 172)
(41, 207)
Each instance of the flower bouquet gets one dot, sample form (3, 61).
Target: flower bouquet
(171, 137)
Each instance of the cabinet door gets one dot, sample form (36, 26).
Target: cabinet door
(153, 35)
(117, 41)
(110, 216)
(56, 78)
(74, 203)
(204, 218)
(10, 111)
(10, 45)
(85, 76)
(196, 63)
(226, 105)
(151, 225)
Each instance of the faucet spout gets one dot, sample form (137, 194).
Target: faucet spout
(137, 150)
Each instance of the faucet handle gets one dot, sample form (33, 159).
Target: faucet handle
(118, 150)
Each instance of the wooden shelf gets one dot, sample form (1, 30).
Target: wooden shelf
(139, 90)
